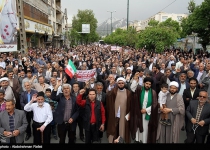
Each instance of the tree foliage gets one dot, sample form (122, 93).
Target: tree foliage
(199, 22)
(191, 6)
(122, 37)
(159, 35)
(156, 36)
(84, 17)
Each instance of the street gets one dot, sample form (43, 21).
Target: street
(103, 140)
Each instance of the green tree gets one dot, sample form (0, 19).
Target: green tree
(191, 6)
(199, 22)
(85, 17)
(159, 35)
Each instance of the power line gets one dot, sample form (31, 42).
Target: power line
(165, 7)
(168, 5)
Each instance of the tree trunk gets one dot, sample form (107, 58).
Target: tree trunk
(204, 47)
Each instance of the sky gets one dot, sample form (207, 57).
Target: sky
(138, 9)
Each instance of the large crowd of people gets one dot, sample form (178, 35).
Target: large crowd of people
(135, 95)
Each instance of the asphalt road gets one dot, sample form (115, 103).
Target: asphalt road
(103, 140)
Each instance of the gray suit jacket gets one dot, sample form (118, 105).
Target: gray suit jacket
(20, 124)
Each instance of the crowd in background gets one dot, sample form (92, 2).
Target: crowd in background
(38, 78)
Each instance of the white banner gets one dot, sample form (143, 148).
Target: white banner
(8, 26)
(85, 75)
(116, 48)
(85, 28)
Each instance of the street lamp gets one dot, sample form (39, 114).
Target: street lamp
(111, 18)
(127, 13)
(60, 40)
(53, 40)
(45, 38)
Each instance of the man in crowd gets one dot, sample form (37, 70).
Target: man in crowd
(13, 123)
(198, 115)
(25, 98)
(42, 116)
(118, 109)
(66, 113)
(144, 113)
(176, 111)
(93, 122)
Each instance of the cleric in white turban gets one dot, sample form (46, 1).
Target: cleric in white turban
(121, 79)
(174, 83)
(175, 110)
(118, 110)
(4, 79)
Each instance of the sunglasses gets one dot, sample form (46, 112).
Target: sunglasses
(202, 96)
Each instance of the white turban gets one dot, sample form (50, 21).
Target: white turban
(4, 79)
(174, 83)
(129, 68)
(121, 79)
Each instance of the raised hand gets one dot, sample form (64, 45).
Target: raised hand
(82, 91)
(34, 98)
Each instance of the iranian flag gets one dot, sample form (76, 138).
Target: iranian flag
(70, 69)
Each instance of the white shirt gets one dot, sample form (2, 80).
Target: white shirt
(182, 88)
(140, 81)
(199, 75)
(178, 65)
(58, 91)
(41, 114)
(148, 109)
(162, 97)
(3, 64)
(150, 66)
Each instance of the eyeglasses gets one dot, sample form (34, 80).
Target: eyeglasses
(202, 96)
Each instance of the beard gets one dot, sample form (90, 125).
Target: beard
(40, 104)
(121, 88)
(172, 93)
(146, 88)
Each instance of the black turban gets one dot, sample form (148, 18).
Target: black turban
(148, 79)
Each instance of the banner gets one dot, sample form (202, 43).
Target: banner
(116, 48)
(84, 75)
(85, 28)
(8, 26)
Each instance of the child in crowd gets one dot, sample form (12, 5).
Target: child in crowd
(53, 105)
(162, 101)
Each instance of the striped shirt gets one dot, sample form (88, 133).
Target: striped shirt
(67, 111)
(12, 122)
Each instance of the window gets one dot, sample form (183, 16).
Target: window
(164, 18)
(179, 18)
(53, 13)
(54, 26)
(49, 22)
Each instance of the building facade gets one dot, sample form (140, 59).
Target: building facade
(162, 16)
(44, 23)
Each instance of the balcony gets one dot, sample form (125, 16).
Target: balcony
(59, 21)
(58, 9)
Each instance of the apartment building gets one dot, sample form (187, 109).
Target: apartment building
(162, 16)
(44, 23)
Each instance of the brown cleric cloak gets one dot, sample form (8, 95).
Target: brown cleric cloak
(136, 116)
(110, 108)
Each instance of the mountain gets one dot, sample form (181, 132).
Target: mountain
(104, 28)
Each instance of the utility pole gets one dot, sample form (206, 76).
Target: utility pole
(22, 33)
(111, 18)
(127, 14)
